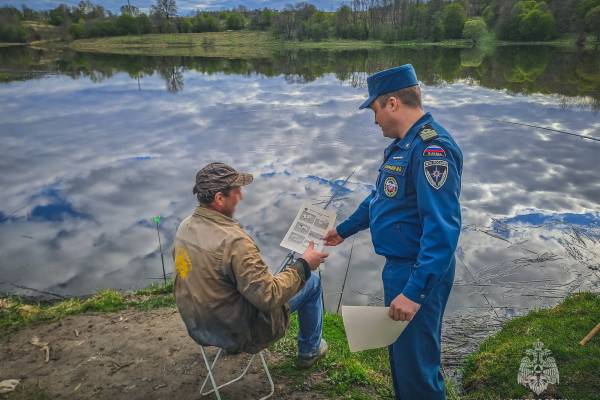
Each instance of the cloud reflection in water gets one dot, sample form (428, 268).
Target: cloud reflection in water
(114, 157)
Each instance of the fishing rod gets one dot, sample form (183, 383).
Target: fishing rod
(162, 259)
(345, 276)
(487, 301)
(290, 256)
(546, 129)
(342, 185)
(33, 289)
(12, 213)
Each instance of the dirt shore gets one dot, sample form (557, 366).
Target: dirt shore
(127, 355)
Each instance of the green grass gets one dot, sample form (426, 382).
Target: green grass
(210, 44)
(8, 76)
(491, 372)
(50, 36)
(16, 313)
(568, 41)
(247, 44)
(341, 374)
(253, 44)
(489, 42)
(236, 44)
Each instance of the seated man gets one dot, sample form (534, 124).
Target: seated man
(224, 291)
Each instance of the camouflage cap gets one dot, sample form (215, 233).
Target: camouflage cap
(218, 176)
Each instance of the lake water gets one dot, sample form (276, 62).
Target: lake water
(94, 146)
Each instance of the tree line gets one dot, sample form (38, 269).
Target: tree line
(521, 69)
(387, 20)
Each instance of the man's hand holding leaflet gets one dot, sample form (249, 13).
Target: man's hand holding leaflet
(370, 327)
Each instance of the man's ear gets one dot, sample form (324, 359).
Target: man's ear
(394, 103)
(218, 200)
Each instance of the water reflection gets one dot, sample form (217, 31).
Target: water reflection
(87, 162)
(523, 69)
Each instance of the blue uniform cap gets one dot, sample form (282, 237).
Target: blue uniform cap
(389, 80)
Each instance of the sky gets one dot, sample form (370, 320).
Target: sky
(185, 6)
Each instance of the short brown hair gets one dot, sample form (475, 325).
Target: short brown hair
(206, 198)
(410, 96)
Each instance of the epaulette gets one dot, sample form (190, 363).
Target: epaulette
(428, 133)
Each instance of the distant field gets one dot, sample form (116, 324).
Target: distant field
(244, 44)
(46, 32)
(210, 44)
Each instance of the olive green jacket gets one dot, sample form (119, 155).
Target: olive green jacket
(224, 291)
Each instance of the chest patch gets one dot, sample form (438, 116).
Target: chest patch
(434, 151)
(390, 186)
(393, 168)
(436, 172)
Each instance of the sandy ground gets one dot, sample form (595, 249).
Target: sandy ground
(126, 355)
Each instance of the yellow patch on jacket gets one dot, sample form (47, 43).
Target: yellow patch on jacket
(183, 263)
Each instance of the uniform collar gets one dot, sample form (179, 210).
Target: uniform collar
(214, 216)
(405, 142)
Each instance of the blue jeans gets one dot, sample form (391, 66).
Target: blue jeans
(309, 305)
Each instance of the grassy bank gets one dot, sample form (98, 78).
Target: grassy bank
(341, 374)
(244, 44)
(363, 375)
(491, 372)
(251, 44)
(12, 44)
(42, 35)
(210, 44)
(16, 313)
(567, 41)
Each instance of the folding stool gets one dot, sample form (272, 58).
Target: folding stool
(211, 368)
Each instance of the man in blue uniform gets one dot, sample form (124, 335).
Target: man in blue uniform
(414, 217)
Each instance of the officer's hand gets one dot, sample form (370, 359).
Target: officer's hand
(313, 257)
(403, 309)
(332, 238)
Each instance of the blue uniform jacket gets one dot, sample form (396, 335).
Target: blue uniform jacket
(414, 211)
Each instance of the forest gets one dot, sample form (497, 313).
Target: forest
(385, 20)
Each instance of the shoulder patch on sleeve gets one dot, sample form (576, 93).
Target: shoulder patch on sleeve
(428, 133)
(436, 172)
(183, 262)
(433, 150)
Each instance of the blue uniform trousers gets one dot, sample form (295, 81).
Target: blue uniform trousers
(415, 357)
